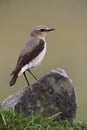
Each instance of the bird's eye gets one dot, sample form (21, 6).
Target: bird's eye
(42, 30)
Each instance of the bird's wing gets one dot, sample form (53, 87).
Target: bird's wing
(30, 51)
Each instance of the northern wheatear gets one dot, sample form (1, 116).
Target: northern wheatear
(32, 54)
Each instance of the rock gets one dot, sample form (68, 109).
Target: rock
(51, 94)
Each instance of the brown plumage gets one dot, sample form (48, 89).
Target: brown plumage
(25, 58)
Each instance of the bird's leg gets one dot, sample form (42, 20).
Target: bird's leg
(32, 74)
(35, 78)
(26, 78)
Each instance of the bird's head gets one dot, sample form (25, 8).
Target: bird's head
(41, 31)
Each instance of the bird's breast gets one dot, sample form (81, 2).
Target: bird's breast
(37, 60)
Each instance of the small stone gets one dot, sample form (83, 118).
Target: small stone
(53, 93)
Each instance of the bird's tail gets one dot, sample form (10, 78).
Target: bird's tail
(14, 75)
(13, 80)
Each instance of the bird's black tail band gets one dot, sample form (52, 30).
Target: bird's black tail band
(13, 80)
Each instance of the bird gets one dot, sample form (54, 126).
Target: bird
(32, 54)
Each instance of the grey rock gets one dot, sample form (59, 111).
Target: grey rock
(51, 94)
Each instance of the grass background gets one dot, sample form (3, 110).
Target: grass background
(10, 120)
(66, 46)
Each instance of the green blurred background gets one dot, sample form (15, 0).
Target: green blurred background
(66, 46)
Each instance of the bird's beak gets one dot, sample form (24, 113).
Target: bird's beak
(50, 29)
